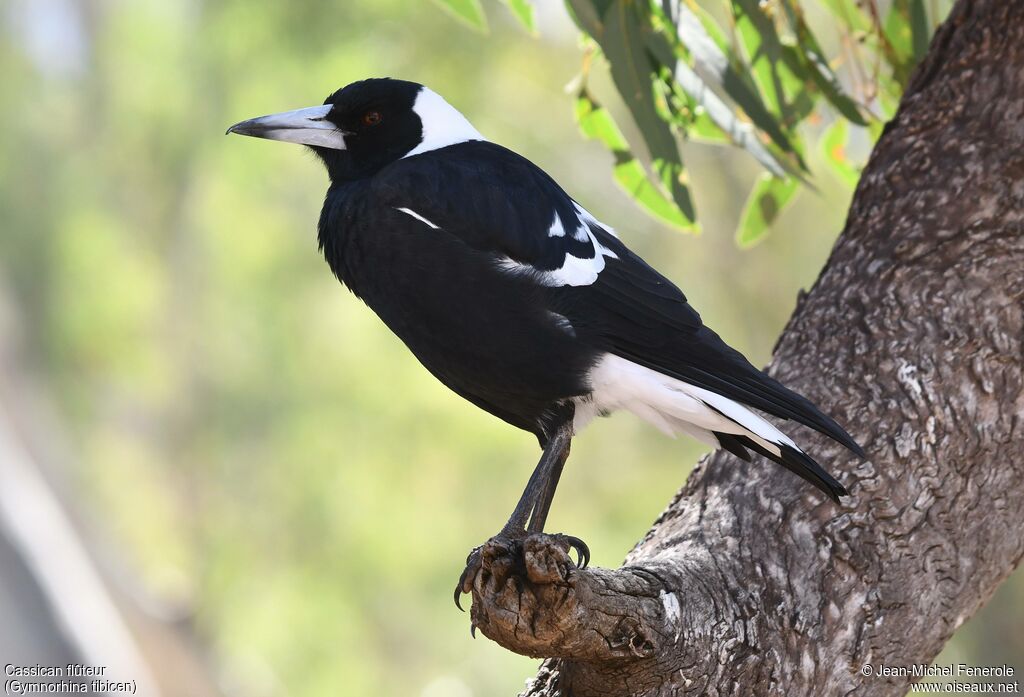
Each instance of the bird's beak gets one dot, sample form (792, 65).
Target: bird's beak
(305, 126)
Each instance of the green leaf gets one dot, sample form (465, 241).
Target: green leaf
(850, 13)
(687, 114)
(767, 200)
(595, 122)
(919, 29)
(818, 67)
(833, 150)
(622, 40)
(886, 40)
(875, 129)
(524, 12)
(469, 12)
(905, 35)
(897, 30)
(588, 14)
(701, 128)
(710, 60)
(740, 132)
(712, 27)
(630, 175)
(906, 28)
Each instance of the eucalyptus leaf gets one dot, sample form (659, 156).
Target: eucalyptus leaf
(470, 12)
(818, 67)
(905, 33)
(524, 12)
(713, 64)
(740, 132)
(850, 13)
(767, 200)
(588, 15)
(754, 84)
(597, 123)
(919, 29)
(623, 42)
(833, 150)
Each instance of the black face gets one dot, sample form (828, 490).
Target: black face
(379, 124)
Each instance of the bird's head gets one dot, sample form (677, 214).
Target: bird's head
(367, 125)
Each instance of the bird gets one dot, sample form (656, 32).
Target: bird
(518, 299)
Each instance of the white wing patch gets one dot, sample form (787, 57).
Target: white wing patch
(414, 214)
(443, 125)
(575, 271)
(671, 405)
(588, 219)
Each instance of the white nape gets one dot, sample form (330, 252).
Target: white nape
(443, 125)
(414, 214)
(672, 406)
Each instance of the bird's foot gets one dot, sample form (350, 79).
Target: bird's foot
(518, 555)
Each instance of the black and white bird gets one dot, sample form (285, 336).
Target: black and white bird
(517, 298)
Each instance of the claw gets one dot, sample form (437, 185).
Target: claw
(582, 551)
(512, 545)
(465, 580)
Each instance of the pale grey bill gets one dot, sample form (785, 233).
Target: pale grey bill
(307, 126)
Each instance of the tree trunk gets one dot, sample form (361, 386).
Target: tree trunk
(752, 583)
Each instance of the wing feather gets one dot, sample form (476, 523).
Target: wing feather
(646, 319)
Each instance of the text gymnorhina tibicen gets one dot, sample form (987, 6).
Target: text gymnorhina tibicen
(516, 297)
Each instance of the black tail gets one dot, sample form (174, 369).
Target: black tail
(754, 388)
(793, 459)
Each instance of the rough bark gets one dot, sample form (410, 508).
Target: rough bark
(913, 337)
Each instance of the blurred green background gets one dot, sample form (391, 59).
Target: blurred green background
(249, 438)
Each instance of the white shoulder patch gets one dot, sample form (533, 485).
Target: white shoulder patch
(575, 271)
(443, 125)
(587, 218)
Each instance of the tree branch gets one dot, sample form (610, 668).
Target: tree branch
(913, 336)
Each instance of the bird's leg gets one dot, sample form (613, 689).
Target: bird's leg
(543, 505)
(545, 476)
(532, 510)
(540, 511)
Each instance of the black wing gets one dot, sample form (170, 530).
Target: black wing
(646, 319)
(491, 198)
(498, 202)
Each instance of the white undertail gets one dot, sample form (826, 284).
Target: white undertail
(673, 406)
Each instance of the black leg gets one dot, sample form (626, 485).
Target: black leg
(531, 512)
(545, 476)
(540, 511)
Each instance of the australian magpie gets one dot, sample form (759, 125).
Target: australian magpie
(516, 297)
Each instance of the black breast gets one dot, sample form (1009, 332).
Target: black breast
(485, 333)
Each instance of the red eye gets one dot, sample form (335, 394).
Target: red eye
(371, 118)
